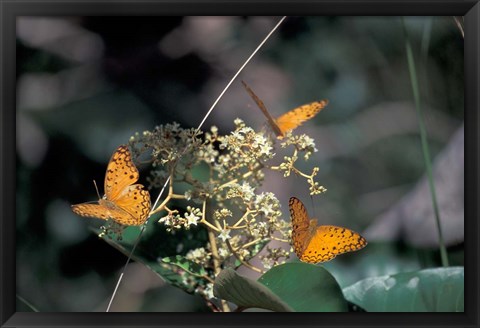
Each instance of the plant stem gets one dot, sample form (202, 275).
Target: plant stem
(253, 242)
(209, 225)
(243, 177)
(215, 257)
(423, 137)
(280, 239)
(161, 207)
(248, 265)
(244, 216)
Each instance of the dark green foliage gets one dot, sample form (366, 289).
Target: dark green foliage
(247, 293)
(430, 290)
(305, 287)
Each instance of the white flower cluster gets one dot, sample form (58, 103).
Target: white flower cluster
(302, 143)
(245, 147)
(222, 174)
(174, 221)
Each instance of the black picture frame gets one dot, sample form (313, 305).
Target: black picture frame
(9, 10)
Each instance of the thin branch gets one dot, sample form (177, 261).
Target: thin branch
(253, 242)
(177, 196)
(215, 257)
(243, 177)
(244, 216)
(248, 265)
(280, 239)
(209, 225)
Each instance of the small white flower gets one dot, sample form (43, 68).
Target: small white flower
(245, 130)
(265, 149)
(223, 252)
(244, 253)
(224, 143)
(267, 263)
(238, 121)
(224, 160)
(259, 140)
(260, 229)
(192, 219)
(224, 235)
(246, 190)
(237, 135)
(167, 220)
(209, 291)
(267, 209)
(175, 127)
(196, 254)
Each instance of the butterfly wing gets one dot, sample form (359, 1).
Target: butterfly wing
(124, 202)
(98, 211)
(121, 192)
(121, 173)
(91, 211)
(264, 110)
(136, 202)
(314, 244)
(329, 241)
(294, 118)
(300, 225)
(105, 210)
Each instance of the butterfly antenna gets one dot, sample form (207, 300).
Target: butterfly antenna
(198, 128)
(96, 188)
(313, 207)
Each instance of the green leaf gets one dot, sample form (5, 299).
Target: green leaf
(246, 293)
(186, 265)
(168, 272)
(377, 259)
(430, 290)
(153, 246)
(305, 287)
(171, 276)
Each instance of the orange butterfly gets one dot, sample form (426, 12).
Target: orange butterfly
(124, 202)
(291, 119)
(313, 243)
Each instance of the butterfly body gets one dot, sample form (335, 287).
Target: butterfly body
(124, 202)
(110, 207)
(313, 243)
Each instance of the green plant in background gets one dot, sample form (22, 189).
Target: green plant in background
(217, 215)
(423, 137)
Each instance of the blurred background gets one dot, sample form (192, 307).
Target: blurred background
(86, 84)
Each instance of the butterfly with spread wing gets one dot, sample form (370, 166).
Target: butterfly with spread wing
(124, 201)
(291, 119)
(313, 243)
